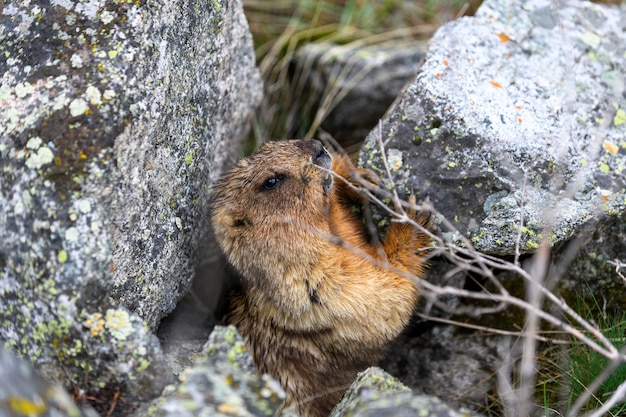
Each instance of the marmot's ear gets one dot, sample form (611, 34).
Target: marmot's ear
(230, 219)
(239, 221)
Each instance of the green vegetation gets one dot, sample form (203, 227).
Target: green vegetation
(568, 370)
(587, 365)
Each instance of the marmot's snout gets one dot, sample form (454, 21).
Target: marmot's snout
(315, 148)
(321, 158)
(324, 160)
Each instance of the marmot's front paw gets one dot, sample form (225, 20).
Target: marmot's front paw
(365, 175)
(358, 177)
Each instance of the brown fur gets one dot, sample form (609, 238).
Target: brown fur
(313, 312)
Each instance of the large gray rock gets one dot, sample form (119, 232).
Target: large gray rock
(376, 393)
(221, 381)
(517, 115)
(353, 85)
(115, 119)
(443, 361)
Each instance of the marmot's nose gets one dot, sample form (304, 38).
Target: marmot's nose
(315, 148)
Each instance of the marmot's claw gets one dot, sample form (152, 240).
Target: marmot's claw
(410, 211)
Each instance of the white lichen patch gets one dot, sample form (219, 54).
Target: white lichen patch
(12, 117)
(66, 4)
(108, 94)
(40, 158)
(95, 226)
(60, 102)
(18, 208)
(84, 206)
(24, 89)
(5, 92)
(106, 17)
(78, 106)
(591, 39)
(93, 95)
(34, 143)
(71, 234)
(394, 159)
(70, 19)
(118, 323)
(76, 61)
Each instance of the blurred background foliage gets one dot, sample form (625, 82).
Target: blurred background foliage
(280, 28)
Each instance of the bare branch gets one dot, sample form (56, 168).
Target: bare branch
(539, 280)
(619, 396)
(618, 266)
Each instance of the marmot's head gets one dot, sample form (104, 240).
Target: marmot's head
(266, 208)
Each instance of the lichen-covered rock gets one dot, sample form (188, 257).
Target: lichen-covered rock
(376, 393)
(115, 119)
(515, 123)
(222, 382)
(25, 393)
(357, 83)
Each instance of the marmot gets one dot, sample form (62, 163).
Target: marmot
(314, 309)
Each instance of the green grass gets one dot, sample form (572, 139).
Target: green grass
(566, 371)
(587, 364)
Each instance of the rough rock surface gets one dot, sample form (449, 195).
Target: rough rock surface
(448, 363)
(357, 83)
(221, 382)
(376, 393)
(115, 118)
(598, 271)
(516, 116)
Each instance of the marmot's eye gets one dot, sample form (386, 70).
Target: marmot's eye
(272, 182)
